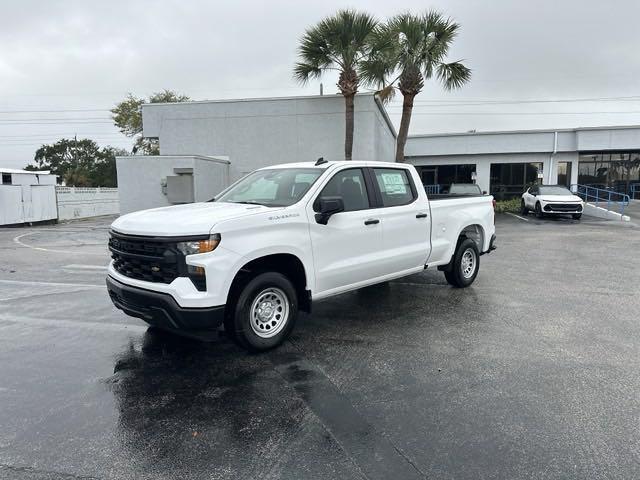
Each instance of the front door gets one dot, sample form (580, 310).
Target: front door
(347, 250)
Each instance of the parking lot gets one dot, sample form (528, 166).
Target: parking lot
(533, 372)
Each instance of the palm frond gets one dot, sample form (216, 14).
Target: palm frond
(386, 94)
(453, 75)
(303, 72)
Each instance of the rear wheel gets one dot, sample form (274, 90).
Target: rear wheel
(539, 213)
(464, 265)
(264, 313)
(523, 209)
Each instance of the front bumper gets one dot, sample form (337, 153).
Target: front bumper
(161, 310)
(562, 208)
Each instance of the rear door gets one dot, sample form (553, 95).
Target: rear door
(347, 250)
(404, 215)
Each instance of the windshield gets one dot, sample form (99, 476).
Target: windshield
(554, 191)
(464, 189)
(275, 187)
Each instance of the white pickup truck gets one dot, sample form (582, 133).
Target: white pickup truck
(287, 235)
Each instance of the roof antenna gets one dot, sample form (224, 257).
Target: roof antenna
(320, 161)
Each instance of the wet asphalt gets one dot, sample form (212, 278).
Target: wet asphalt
(531, 373)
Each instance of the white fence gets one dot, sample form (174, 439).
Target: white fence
(81, 202)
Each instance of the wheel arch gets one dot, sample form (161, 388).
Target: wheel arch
(287, 264)
(473, 231)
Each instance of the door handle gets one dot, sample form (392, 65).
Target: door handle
(421, 215)
(371, 221)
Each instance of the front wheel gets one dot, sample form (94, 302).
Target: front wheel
(464, 265)
(265, 312)
(577, 216)
(539, 213)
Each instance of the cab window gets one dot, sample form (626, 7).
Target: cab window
(350, 186)
(395, 186)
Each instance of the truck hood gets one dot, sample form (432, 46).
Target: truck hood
(184, 220)
(559, 198)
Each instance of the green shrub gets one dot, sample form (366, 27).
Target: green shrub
(511, 206)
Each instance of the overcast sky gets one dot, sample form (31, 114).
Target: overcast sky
(88, 55)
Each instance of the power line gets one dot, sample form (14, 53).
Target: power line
(73, 122)
(58, 111)
(457, 103)
(522, 113)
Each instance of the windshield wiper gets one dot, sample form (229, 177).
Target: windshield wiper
(251, 202)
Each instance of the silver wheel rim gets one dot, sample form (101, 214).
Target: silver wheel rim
(269, 312)
(469, 261)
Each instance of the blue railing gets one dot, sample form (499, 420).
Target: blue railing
(635, 188)
(432, 189)
(602, 196)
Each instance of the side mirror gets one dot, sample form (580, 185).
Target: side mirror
(328, 206)
(484, 192)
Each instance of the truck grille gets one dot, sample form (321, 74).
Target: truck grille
(563, 207)
(146, 259)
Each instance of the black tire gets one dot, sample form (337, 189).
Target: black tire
(283, 300)
(455, 275)
(523, 210)
(539, 213)
(577, 216)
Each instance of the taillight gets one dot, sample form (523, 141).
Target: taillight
(494, 203)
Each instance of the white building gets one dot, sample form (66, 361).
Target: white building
(27, 196)
(258, 132)
(506, 162)
(254, 133)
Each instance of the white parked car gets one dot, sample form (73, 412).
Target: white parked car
(551, 199)
(285, 236)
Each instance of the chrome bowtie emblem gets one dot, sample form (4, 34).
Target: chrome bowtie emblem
(155, 269)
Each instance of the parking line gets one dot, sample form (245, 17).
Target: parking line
(71, 251)
(51, 284)
(517, 216)
(75, 266)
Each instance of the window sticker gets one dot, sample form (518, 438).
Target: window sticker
(394, 183)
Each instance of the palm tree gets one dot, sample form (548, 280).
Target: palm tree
(414, 49)
(339, 42)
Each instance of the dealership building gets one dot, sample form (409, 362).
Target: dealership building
(253, 133)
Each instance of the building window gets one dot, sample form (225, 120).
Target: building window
(6, 179)
(509, 180)
(445, 175)
(619, 171)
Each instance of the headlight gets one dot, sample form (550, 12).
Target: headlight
(199, 246)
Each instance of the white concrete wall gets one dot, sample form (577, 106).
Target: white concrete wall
(140, 178)
(81, 202)
(260, 132)
(208, 179)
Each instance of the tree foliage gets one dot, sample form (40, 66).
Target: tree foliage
(339, 42)
(80, 163)
(127, 116)
(405, 52)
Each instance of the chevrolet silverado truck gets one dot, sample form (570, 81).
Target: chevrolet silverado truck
(285, 236)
